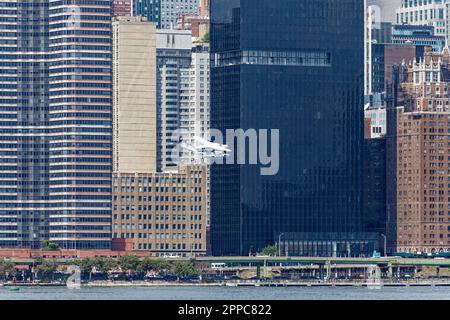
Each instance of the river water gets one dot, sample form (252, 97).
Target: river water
(226, 293)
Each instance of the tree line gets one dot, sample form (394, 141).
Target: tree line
(125, 267)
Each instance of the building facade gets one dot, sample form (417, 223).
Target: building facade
(375, 113)
(151, 9)
(162, 213)
(198, 25)
(306, 81)
(80, 155)
(204, 8)
(171, 10)
(418, 36)
(24, 161)
(56, 110)
(195, 101)
(174, 49)
(134, 96)
(418, 154)
(121, 8)
(375, 178)
(431, 12)
(384, 57)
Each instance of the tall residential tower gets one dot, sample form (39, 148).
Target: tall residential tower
(55, 110)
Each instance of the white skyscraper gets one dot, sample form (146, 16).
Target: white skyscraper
(194, 109)
(423, 12)
(174, 48)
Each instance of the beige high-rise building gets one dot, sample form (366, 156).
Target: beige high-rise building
(134, 95)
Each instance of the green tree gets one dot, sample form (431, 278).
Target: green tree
(158, 265)
(269, 251)
(145, 265)
(50, 245)
(163, 266)
(99, 264)
(129, 263)
(46, 269)
(86, 265)
(7, 269)
(184, 268)
(109, 264)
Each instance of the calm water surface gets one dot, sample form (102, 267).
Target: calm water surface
(227, 293)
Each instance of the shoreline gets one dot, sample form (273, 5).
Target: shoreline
(111, 284)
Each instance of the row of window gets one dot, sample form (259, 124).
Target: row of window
(279, 58)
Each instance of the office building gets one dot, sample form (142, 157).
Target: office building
(122, 8)
(382, 34)
(195, 110)
(173, 49)
(447, 22)
(374, 198)
(195, 101)
(419, 13)
(198, 25)
(370, 24)
(55, 149)
(151, 9)
(300, 71)
(134, 95)
(375, 113)
(171, 10)
(375, 186)
(375, 33)
(163, 213)
(418, 158)
(418, 36)
(384, 57)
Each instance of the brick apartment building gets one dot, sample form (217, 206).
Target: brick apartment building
(418, 157)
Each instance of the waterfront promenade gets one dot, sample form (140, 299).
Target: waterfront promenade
(246, 283)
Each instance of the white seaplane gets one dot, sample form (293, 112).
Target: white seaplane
(206, 148)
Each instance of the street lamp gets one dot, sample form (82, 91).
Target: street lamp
(279, 244)
(385, 241)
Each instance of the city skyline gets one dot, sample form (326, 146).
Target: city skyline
(224, 149)
(110, 92)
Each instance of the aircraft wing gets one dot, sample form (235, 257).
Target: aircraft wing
(205, 144)
(188, 147)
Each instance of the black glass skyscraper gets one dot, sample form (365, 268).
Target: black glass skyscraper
(296, 66)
